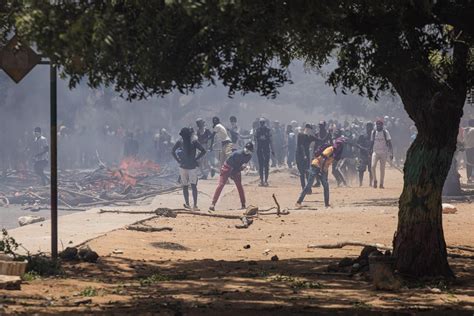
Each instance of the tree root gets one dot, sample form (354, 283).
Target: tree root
(384, 247)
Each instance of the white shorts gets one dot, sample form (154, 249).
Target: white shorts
(188, 176)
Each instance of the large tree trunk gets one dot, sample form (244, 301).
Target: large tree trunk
(436, 107)
(419, 245)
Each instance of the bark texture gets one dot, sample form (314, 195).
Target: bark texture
(436, 107)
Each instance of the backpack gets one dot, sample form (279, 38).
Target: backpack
(318, 152)
(372, 138)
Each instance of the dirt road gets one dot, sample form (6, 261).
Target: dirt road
(207, 266)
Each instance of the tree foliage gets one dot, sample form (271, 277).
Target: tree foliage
(152, 47)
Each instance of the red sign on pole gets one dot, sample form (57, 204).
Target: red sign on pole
(17, 59)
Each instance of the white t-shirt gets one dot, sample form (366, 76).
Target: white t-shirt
(221, 134)
(380, 143)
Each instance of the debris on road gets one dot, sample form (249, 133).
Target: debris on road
(30, 219)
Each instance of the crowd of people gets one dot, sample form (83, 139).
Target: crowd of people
(348, 150)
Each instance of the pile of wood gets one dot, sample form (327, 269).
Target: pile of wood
(129, 183)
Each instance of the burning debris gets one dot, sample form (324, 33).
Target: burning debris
(131, 182)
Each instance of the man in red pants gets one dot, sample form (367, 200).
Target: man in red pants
(232, 169)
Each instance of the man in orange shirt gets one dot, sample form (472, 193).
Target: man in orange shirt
(319, 169)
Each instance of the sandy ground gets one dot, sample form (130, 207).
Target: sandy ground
(202, 266)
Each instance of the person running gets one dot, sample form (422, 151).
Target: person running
(303, 142)
(381, 151)
(263, 139)
(232, 169)
(365, 162)
(221, 136)
(184, 152)
(319, 169)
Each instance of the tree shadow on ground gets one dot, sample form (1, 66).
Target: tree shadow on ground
(246, 287)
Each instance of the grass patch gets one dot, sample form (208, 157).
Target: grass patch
(30, 276)
(158, 277)
(88, 292)
(296, 283)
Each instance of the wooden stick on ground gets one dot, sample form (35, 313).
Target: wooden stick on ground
(277, 204)
(142, 228)
(82, 194)
(349, 243)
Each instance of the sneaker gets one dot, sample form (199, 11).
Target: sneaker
(261, 184)
(186, 206)
(266, 183)
(243, 207)
(298, 206)
(195, 209)
(381, 186)
(212, 207)
(375, 184)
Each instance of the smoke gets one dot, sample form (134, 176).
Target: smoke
(90, 116)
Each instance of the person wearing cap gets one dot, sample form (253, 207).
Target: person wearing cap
(184, 152)
(319, 169)
(203, 136)
(221, 137)
(381, 151)
(40, 155)
(264, 142)
(232, 168)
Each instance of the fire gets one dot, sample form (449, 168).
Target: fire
(131, 170)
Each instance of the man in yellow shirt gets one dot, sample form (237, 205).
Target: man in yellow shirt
(319, 170)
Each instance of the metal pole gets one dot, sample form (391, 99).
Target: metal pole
(54, 162)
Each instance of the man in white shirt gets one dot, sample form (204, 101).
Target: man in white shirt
(220, 136)
(381, 150)
(469, 147)
(40, 155)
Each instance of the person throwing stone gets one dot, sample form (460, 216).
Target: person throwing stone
(232, 169)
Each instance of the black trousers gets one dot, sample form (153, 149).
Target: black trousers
(303, 167)
(263, 156)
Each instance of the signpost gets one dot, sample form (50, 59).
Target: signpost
(17, 60)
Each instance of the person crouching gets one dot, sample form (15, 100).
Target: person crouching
(232, 169)
(319, 170)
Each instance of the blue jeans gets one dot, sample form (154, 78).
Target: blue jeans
(316, 173)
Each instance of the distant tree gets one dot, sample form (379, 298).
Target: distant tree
(420, 49)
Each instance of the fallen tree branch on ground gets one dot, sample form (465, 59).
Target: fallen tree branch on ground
(349, 243)
(277, 204)
(148, 229)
